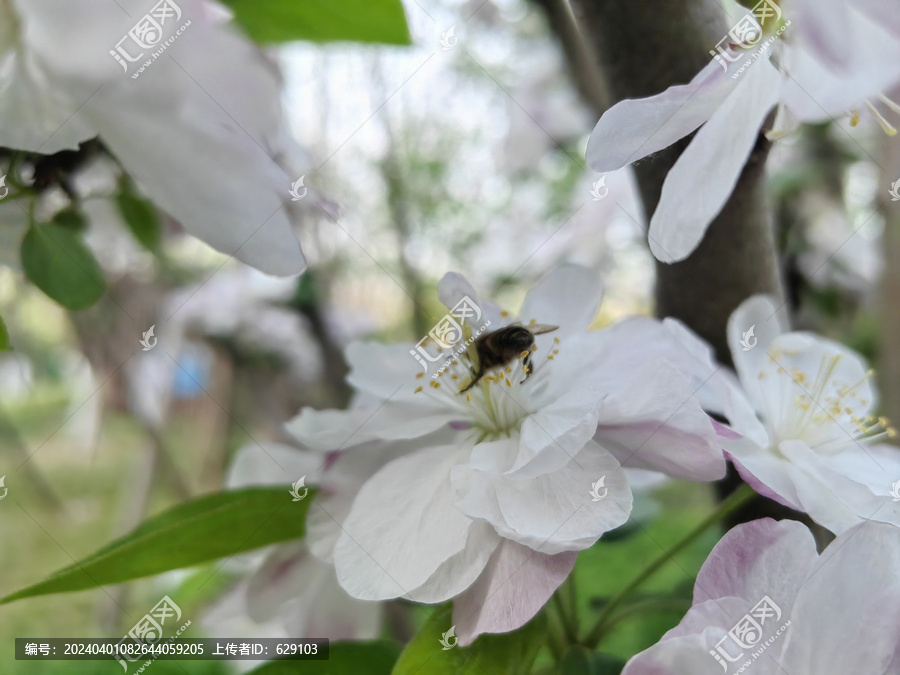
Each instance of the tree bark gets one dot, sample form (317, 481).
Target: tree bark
(583, 67)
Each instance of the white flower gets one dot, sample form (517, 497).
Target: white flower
(493, 502)
(808, 435)
(830, 615)
(197, 130)
(731, 105)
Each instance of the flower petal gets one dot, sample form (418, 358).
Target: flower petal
(752, 328)
(553, 512)
(685, 648)
(402, 526)
(832, 498)
(635, 128)
(272, 464)
(701, 181)
(551, 436)
(514, 586)
(655, 422)
(383, 370)
(461, 570)
(568, 297)
(816, 91)
(328, 430)
(848, 611)
(756, 559)
(210, 152)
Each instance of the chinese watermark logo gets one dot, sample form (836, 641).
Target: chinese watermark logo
(148, 340)
(295, 489)
(146, 34)
(446, 637)
(296, 195)
(894, 191)
(599, 189)
(447, 333)
(748, 340)
(3, 185)
(595, 490)
(149, 630)
(448, 39)
(6, 489)
(895, 491)
(747, 33)
(748, 633)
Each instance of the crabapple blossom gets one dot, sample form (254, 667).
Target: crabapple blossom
(807, 434)
(493, 503)
(766, 602)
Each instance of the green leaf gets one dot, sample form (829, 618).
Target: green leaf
(57, 261)
(141, 217)
(5, 344)
(70, 218)
(322, 20)
(213, 526)
(509, 653)
(344, 658)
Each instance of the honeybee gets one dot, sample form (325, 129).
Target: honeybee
(501, 346)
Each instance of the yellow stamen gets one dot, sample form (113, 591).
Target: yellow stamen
(885, 125)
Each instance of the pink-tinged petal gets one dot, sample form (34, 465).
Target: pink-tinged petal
(553, 512)
(569, 297)
(724, 432)
(684, 650)
(847, 613)
(718, 613)
(654, 422)
(402, 526)
(635, 128)
(514, 586)
(757, 559)
(764, 469)
(461, 570)
(758, 486)
(701, 181)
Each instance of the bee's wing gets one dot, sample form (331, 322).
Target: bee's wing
(541, 328)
